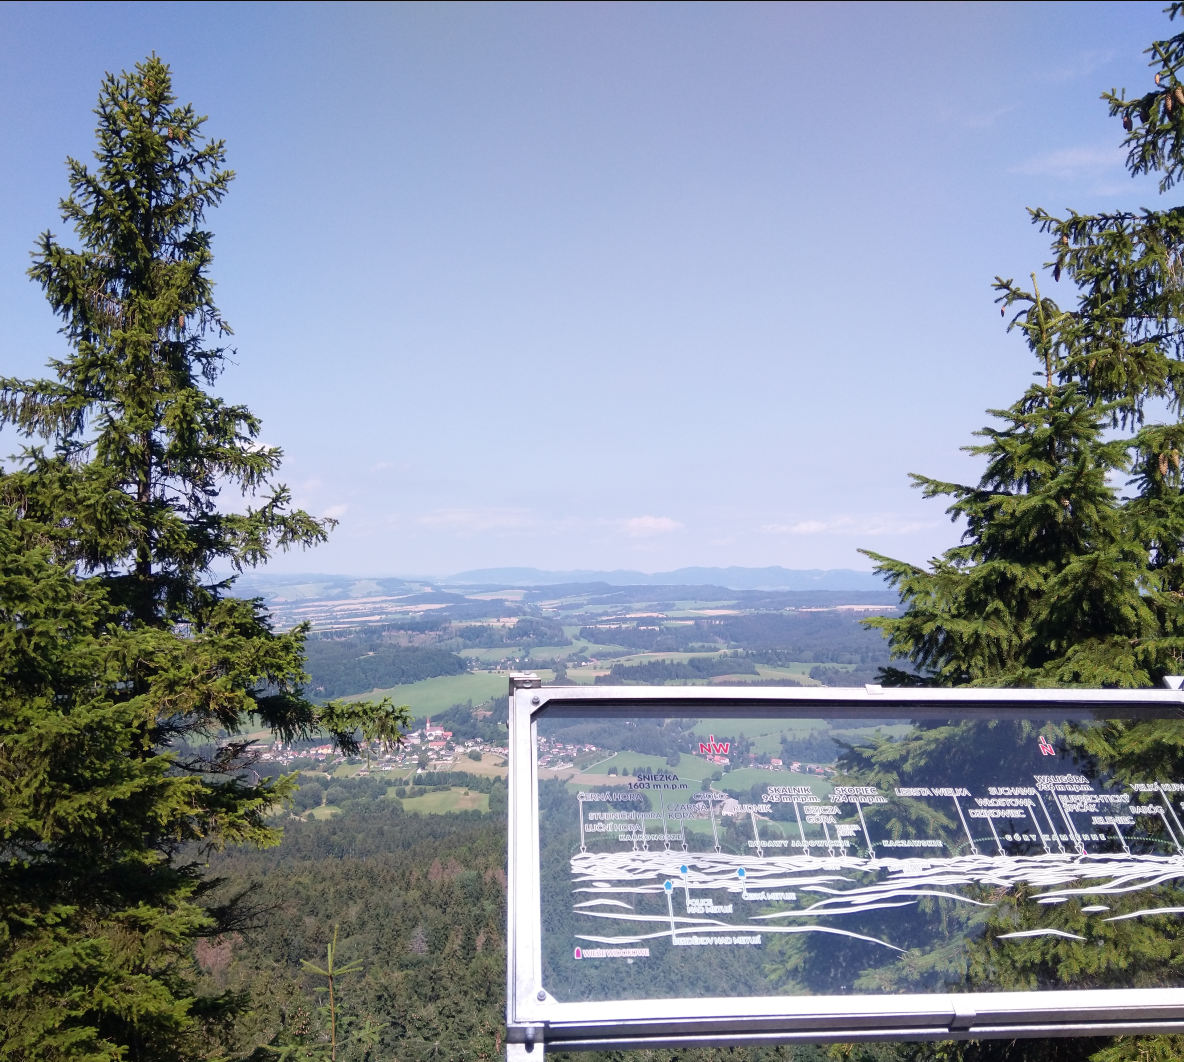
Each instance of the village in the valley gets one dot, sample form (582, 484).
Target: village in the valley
(431, 748)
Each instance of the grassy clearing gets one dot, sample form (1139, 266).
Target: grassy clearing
(489, 656)
(486, 766)
(446, 800)
(747, 777)
(694, 769)
(511, 652)
(893, 730)
(765, 734)
(551, 652)
(634, 761)
(326, 811)
(436, 694)
(676, 658)
(584, 676)
(799, 672)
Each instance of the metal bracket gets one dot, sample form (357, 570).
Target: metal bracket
(964, 1016)
(524, 680)
(531, 1050)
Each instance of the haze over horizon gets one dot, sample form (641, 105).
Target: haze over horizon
(609, 286)
(734, 577)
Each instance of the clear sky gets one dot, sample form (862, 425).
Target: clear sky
(604, 285)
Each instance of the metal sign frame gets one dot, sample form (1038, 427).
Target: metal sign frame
(535, 1018)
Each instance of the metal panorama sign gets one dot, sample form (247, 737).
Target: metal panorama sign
(702, 865)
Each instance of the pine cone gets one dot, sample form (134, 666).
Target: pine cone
(1127, 124)
(1056, 273)
(1163, 464)
(1144, 114)
(1179, 94)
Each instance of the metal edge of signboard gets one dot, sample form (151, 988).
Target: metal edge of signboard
(774, 1039)
(854, 1014)
(616, 700)
(523, 906)
(534, 1016)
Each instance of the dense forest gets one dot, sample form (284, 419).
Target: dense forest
(360, 663)
(526, 633)
(832, 637)
(655, 672)
(418, 901)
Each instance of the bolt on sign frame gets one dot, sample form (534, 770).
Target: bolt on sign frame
(653, 909)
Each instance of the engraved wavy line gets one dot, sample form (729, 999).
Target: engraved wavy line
(705, 922)
(1117, 888)
(812, 913)
(900, 892)
(1148, 911)
(741, 929)
(1040, 933)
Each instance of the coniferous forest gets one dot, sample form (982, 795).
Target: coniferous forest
(159, 899)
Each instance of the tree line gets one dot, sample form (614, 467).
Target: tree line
(340, 667)
(774, 638)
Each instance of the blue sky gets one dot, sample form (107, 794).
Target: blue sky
(607, 285)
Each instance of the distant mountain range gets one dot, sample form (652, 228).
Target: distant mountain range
(733, 578)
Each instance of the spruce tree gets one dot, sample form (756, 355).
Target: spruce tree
(1062, 579)
(129, 673)
(1059, 579)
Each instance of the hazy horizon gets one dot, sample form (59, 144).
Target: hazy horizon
(733, 577)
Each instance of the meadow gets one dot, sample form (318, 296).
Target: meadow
(435, 694)
(445, 801)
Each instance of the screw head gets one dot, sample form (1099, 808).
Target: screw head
(534, 701)
(542, 992)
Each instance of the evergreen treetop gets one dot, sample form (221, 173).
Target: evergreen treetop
(1071, 567)
(1063, 578)
(129, 674)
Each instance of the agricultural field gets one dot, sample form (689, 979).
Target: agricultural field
(633, 762)
(436, 694)
(502, 652)
(765, 734)
(746, 777)
(778, 638)
(689, 769)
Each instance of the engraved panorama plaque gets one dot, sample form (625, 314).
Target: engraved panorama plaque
(719, 866)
